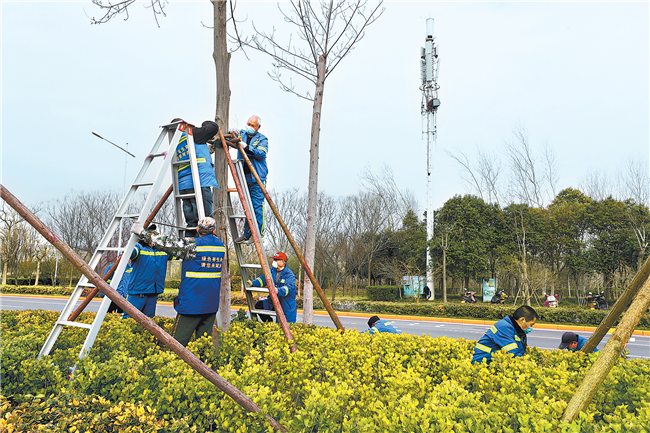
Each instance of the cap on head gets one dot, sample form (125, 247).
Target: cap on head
(280, 256)
(567, 339)
(373, 320)
(206, 225)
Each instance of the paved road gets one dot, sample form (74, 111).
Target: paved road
(639, 346)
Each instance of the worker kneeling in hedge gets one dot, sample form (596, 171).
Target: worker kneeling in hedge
(197, 302)
(378, 325)
(508, 334)
(572, 342)
(284, 287)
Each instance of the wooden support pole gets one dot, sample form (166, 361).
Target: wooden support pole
(310, 274)
(89, 297)
(619, 307)
(609, 355)
(258, 247)
(136, 314)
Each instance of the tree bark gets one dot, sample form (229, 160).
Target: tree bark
(619, 307)
(222, 64)
(444, 276)
(609, 355)
(4, 274)
(38, 272)
(312, 194)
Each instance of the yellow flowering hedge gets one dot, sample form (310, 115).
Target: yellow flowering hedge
(335, 382)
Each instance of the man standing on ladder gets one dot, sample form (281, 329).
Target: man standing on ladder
(197, 302)
(206, 172)
(284, 287)
(256, 147)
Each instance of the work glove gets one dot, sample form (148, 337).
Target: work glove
(211, 147)
(250, 283)
(234, 132)
(244, 145)
(137, 228)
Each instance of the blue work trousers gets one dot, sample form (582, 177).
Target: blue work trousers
(190, 211)
(145, 303)
(257, 198)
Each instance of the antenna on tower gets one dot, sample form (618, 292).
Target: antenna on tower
(429, 64)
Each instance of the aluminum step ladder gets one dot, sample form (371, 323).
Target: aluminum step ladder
(249, 271)
(165, 147)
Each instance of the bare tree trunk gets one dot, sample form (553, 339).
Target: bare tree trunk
(38, 272)
(312, 194)
(444, 276)
(222, 65)
(4, 274)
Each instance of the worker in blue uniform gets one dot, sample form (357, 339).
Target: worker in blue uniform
(256, 147)
(377, 325)
(148, 275)
(508, 334)
(572, 341)
(206, 171)
(122, 287)
(284, 287)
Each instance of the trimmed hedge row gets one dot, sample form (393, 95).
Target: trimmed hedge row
(41, 290)
(384, 293)
(349, 382)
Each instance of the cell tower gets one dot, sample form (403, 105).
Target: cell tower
(429, 64)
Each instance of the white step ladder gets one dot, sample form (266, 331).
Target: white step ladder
(249, 271)
(164, 147)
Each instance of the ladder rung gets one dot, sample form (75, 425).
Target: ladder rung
(257, 289)
(251, 266)
(135, 215)
(185, 161)
(156, 155)
(232, 189)
(75, 324)
(86, 285)
(237, 216)
(266, 312)
(137, 185)
(190, 195)
(110, 249)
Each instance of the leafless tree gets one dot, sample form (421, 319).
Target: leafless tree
(223, 13)
(484, 178)
(327, 31)
(14, 239)
(596, 184)
(396, 202)
(634, 180)
(531, 182)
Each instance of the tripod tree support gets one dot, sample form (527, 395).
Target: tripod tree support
(136, 314)
(258, 247)
(310, 274)
(108, 276)
(610, 353)
(619, 307)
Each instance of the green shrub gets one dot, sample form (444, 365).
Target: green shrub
(172, 284)
(384, 293)
(335, 382)
(41, 290)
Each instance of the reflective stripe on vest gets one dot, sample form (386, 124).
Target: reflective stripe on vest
(153, 253)
(509, 347)
(210, 248)
(483, 348)
(203, 274)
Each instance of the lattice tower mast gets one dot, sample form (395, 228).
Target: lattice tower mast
(429, 64)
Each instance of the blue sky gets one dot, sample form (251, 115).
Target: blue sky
(575, 74)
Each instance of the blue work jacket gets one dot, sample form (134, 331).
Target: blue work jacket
(149, 270)
(256, 152)
(383, 326)
(203, 161)
(201, 278)
(581, 342)
(501, 336)
(286, 292)
(124, 282)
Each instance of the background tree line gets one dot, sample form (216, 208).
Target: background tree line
(512, 226)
